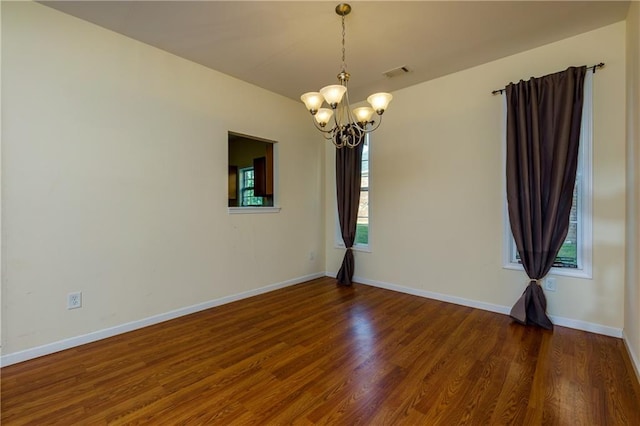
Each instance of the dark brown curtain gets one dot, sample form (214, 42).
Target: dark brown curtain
(543, 133)
(348, 174)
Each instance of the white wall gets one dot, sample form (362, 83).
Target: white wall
(114, 181)
(436, 187)
(632, 287)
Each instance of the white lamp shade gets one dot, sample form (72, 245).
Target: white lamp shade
(323, 116)
(333, 94)
(312, 100)
(380, 101)
(363, 114)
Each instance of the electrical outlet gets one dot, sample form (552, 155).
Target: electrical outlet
(74, 300)
(312, 255)
(550, 284)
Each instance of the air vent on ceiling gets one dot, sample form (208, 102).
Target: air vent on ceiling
(396, 72)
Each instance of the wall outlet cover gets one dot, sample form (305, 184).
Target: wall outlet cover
(550, 284)
(74, 300)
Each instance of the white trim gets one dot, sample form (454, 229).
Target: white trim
(635, 360)
(436, 296)
(500, 309)
(507, 238)
(586, 227)
(72, 342)
(565, 272)
(365, 248)
(591, 327)
(253, 210)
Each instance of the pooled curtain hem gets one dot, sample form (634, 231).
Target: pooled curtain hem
(530, 309)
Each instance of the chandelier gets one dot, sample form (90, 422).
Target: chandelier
(348, 126)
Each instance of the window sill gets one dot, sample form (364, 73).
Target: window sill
(357, 247)
(253, 210)
(565, 272)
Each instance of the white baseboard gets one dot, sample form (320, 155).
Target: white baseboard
(559, 321)
(72, 342)
(436, 296)
(586, 326)
(635, 361)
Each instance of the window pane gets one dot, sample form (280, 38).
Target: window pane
(246, 189)
(362, 227)
(568, 255)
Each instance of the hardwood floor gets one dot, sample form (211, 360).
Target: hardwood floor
(319, 353)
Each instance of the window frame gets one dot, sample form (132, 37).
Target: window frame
(585, 196)
(276, 171)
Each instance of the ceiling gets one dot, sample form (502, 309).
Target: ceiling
(292, 47)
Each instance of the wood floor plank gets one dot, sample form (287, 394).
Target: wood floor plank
(318, 353)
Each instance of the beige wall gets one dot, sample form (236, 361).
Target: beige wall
(436, 186)
(114, 181)
(632, 287)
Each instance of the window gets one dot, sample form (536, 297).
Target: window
(362, 227)
(574, 257)
(252, 175)
(248, 197)
(362, 241)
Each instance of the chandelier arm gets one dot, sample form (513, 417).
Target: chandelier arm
(376, 124)
(351, 119)
(336, 113)
(315, 123)
(334, 139)
(347, 105)
(358, 135)
(362, 129)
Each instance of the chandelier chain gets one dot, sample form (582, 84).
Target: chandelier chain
(348, 127)
(344, 63)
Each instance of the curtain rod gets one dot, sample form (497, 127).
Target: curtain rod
(592, 68)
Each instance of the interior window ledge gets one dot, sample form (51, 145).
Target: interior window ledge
(253, 210)
(566, 272)
(356, 247)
